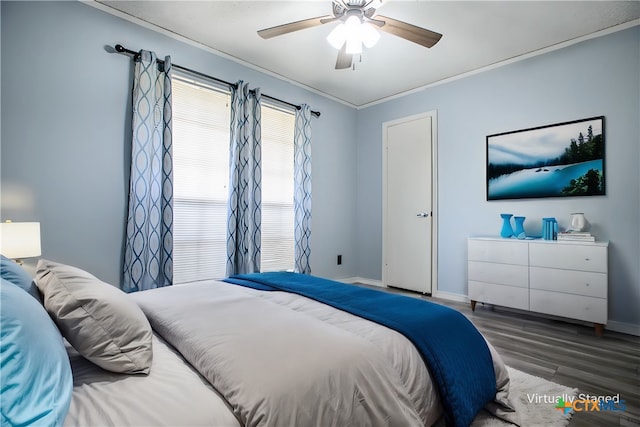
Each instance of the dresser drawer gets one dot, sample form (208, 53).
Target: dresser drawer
(508, 296)
(584, 308)
(501, 274)
(569, 256)
(569, 281)
(503, 252)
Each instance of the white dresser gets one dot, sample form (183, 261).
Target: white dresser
(567, 279)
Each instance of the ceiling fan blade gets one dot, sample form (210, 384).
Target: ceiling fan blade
(279, 30)
(344, 59)
(328, 20)
(421, 36)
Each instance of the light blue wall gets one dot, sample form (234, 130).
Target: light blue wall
(595, 77)
(66, 144)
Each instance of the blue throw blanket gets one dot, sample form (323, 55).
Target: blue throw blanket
(454, 351)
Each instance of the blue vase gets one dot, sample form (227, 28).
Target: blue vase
(506, 231)
(519, 231)
(549, 228)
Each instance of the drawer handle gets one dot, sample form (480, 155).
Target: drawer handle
(587, 259)
(587, 284)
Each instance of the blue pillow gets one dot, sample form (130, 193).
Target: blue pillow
(34, 366)
(11, 271)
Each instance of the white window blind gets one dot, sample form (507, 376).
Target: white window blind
(200, 174)
(277, 189)
(201, 117)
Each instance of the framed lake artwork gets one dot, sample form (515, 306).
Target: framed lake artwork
(558, 160)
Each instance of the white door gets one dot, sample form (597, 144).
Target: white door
(407, 203)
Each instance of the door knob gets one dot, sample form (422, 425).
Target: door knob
(423, 214)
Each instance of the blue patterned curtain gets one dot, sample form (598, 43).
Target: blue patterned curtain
(302, 193)
(245, 176)
(148, 255)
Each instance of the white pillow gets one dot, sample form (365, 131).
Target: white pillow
(99, 320)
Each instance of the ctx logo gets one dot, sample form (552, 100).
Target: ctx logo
(582, 405)
(590, 405)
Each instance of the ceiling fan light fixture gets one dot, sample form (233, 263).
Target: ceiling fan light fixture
(369, 35)
(353, 26)
(354, 33)
(337, 36)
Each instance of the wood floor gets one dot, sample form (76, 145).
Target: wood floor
(565, 353)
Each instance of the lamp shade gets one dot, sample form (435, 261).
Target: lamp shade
(20, 239)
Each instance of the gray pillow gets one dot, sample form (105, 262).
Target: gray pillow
(99, 320)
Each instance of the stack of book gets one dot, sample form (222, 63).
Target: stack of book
(578, 236)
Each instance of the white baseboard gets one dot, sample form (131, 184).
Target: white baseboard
(625, 328)
(364, 280)
(451, 297)
(436, 294)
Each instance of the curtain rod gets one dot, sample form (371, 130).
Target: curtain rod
(121, 49)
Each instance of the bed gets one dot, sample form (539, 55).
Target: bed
(255, 350)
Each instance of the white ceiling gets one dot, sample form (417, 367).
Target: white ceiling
(476, 35)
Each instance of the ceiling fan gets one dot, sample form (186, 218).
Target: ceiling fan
(358, 21)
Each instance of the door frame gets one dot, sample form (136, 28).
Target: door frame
(433, 114)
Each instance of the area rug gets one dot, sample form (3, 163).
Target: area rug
(532, 396)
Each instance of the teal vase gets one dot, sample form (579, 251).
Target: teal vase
(506, 231)
(549, 228)
(519, 231)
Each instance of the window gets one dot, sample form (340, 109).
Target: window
(201, 116)
(277, 190)
(200, 176)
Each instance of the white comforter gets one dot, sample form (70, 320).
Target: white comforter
(284, 360)
(172, 394)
